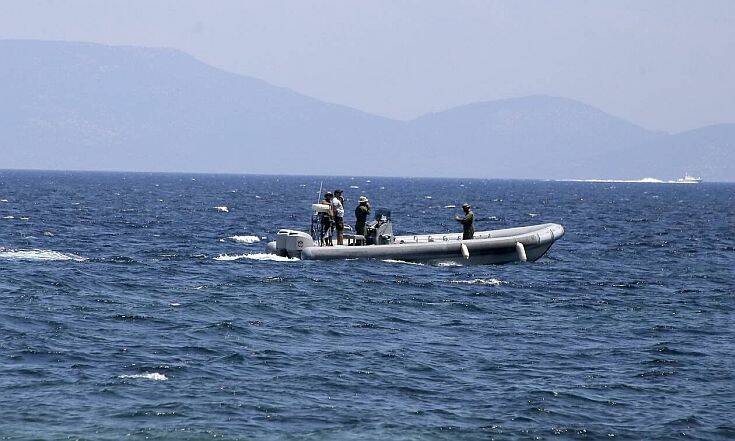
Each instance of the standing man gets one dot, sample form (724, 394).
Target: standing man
(338, 211)
(468, 228)
(361, 214)
(326, 220)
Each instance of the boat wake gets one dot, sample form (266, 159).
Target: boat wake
(245, 239)
(255, 256)
(39, 255)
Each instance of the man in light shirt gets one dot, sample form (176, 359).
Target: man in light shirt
(338, 212)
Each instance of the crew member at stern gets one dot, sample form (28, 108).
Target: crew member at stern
(361, 214)
(468, 228)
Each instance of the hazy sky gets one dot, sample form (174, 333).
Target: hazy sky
(667, 65)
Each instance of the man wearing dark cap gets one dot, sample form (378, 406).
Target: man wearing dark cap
(326, 220)
(468, 228)
(338, 212)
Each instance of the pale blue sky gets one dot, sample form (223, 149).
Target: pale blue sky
(667, 65)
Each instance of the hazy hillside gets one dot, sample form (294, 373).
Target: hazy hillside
(88, 106)
(535, 136)
(707, 151)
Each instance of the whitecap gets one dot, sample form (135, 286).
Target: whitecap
(8, 217)
(449, 263)
(401, 261)
(245, 239)
(427, 197)
(354, 186)
(155, 376)
(255, 256)
(39, 255)
(450, 206)
(533, 214)
(493, 282)
(222, 208)
(3, 200)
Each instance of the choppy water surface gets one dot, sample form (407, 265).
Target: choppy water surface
(131, 306)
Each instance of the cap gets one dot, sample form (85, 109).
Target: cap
(329, 193)
(465, 205)
(362, 199)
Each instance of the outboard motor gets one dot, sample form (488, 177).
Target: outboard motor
(290, 243)
(380, 231)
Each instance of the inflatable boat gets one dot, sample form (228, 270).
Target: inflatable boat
(487, 247)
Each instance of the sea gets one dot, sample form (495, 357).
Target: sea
(143, 306)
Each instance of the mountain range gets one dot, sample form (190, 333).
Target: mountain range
(84, 106)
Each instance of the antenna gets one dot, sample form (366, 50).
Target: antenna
(319, 195)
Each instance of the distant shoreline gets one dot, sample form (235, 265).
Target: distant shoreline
(318, 175)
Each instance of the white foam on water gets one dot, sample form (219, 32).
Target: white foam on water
(155, 376)
(493, 282)
(256, 256)
(402, 261)
(450, 263)
(427, 197)
(8, 217)
(222, 209)
(175, 304)
(39, 255)
(450, 206)
(533, 214)
(3, 200)
(245, 239)
(354, 186)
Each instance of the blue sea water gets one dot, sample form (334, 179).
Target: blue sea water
(131, 307)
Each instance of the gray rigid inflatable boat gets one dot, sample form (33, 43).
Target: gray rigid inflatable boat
(487, 247)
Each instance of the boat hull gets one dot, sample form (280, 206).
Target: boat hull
(489, 247)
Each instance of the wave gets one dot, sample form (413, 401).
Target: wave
(401, 261)
(255, 256)
(493, 282)
(222, 208)
(8, 217)
(245, 239)
(39, 255)
(155, 376)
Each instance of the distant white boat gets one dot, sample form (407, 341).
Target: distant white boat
(689, 179)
